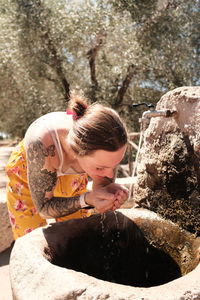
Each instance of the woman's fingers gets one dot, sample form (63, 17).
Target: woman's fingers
(104, 205)
(94, 197)
(110, 197)
(121, 196)
(104, 195)
(116, 188)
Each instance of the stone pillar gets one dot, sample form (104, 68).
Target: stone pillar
(168, 178)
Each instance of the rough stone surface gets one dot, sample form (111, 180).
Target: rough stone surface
(168, 178)
(6, 236)
(33, 276)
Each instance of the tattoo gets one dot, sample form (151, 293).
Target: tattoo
(60, 206)
(42, 181)
(37, 151)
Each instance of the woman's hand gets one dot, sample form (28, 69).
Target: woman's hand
(120, 192)
(101, 199)
(107, 198)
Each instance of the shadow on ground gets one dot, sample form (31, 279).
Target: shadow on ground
(5, 256)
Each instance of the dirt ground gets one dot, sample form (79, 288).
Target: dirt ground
(5, 289)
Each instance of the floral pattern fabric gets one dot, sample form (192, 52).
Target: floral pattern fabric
(23, 214)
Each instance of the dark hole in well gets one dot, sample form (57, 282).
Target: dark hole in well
(114, 249)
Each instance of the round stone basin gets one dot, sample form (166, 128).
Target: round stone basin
(128, 254)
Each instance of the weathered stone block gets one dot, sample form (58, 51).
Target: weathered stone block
(6, 236)
(168, 178)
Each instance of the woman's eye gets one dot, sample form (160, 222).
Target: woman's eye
(99, 169)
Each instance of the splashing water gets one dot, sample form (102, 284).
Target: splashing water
(116, 218)
(106, 257)
(118, 231)
(103, 216)
(111, 248)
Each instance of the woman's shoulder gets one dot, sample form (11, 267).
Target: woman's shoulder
(50, 118)
(42, 127)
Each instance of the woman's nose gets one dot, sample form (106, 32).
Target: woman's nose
(109, 173)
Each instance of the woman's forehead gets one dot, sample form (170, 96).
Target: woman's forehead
(108, 158)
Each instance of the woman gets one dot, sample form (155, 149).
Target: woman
(48, 171)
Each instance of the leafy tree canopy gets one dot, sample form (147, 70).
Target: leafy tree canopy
(116, 51)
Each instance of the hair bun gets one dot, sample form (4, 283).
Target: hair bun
(78, 104)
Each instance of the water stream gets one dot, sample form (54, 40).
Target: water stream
(136, 163)
(110, 249)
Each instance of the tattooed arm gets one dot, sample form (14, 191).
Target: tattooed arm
(42, 178)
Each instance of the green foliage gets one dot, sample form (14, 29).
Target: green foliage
(118, 52)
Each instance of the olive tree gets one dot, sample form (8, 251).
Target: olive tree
(118, 52)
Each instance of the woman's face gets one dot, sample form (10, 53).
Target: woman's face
(101, 163)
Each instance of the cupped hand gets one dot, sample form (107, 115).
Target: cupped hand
(121, 194)
(101, 199)
(110, 197)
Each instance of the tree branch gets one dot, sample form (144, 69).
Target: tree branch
(124, 86)
(34, 11)
(57, 64)
(161, 8)
(91, 55)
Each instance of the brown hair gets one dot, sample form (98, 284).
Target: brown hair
(96, 127)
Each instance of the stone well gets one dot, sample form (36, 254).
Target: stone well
(130, 254)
